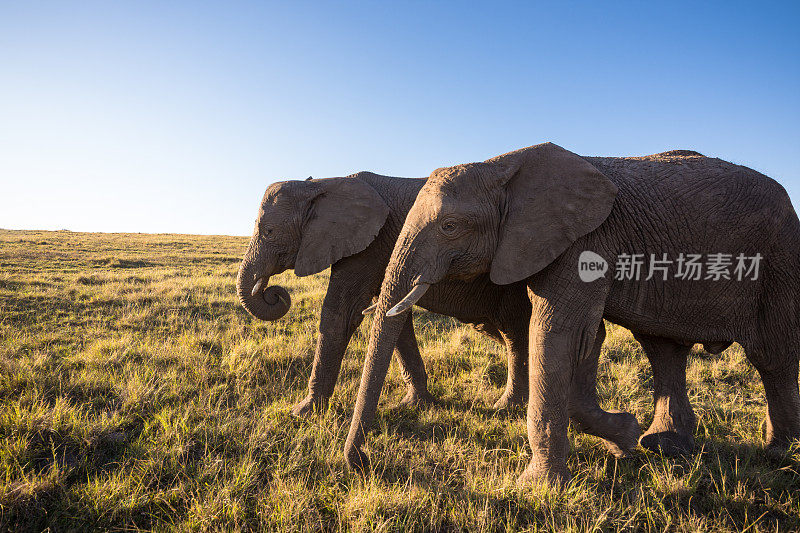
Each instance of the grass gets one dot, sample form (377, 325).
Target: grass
(135, 393)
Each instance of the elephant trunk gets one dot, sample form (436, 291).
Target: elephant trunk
(383, 337)
(382, 340)
(255, 294)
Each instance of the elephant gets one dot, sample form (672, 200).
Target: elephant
(351, 224)
(536, 214)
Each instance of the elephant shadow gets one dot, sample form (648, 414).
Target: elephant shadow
(408, 423)
(711, 457)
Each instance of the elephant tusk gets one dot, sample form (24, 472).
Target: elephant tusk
(282, 299)
(257, 287)
(369, 310)
(411, 298)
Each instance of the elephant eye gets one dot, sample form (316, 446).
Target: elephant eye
(449, 226)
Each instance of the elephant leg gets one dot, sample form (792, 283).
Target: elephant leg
(349, 292)
(783, 406)
(515, 340)
(619, 430)
(674, 422)
(514, 337)
(412, 368)
(557, 343)
(783, 399)
(512, 323)
(549, 368)
(335, 330)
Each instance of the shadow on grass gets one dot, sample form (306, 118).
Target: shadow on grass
(720, 501)
(117, 262)
(26, 508)
(37, 506)
(56, 386)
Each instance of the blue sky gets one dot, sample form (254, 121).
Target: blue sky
(175, 116)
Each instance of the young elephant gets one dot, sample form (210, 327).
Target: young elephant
(532, 215)
(351, 224)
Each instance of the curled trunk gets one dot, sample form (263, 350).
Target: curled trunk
(257, 297)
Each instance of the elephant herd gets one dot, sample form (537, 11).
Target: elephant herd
(683, 249)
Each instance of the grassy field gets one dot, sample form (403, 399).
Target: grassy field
(135, 393)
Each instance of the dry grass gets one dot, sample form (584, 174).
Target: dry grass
(136, 394)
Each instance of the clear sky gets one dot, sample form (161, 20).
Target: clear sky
(175, 116)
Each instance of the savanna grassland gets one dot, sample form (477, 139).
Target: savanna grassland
(135, 393)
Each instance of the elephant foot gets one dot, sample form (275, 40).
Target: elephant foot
(777, 452)
(510, 401)
(309, 405)
(619, 430)
(779, 442)
(536, 474)
(668, 442)
(416, 398)
(623, 440)
(781, 451)
(357, 460)
(778, 447)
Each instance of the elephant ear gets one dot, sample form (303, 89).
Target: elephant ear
(343, 219)
(553, 197)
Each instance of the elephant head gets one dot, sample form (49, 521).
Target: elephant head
(308, 226)
(509, 216)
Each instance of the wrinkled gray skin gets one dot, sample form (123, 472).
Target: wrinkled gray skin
(528, 215)
(352, 224)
